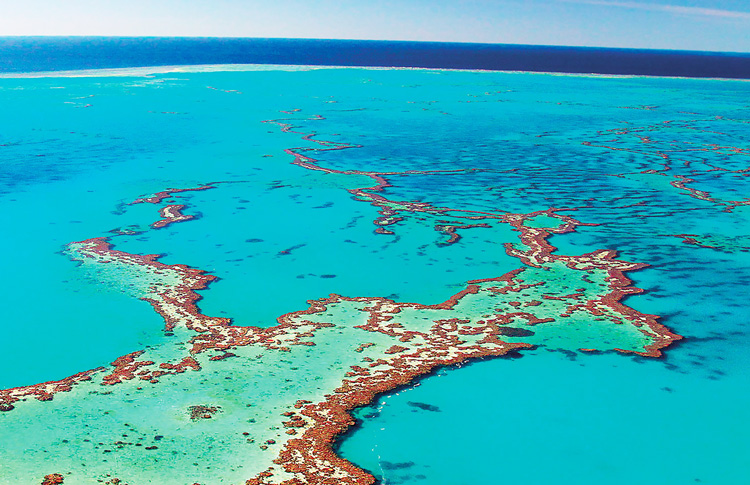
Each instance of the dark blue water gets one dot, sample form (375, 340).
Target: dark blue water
(28, 54)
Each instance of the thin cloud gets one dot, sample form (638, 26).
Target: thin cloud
(705, 12)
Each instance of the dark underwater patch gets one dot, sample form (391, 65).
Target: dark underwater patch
(388, 465)
(424, 406)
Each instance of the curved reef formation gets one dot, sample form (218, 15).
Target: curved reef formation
(718, 242)
(391, 211)
(686, 162)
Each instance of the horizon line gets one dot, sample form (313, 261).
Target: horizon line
(740, 53)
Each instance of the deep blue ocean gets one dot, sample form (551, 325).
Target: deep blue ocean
(29, 54)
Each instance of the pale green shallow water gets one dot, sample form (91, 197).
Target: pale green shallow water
(550, 417)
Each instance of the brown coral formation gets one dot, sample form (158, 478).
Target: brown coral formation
(165, 194)
(202, 411)
(389, 210)
(668, 154)
(171, 214)
(540, 251)
(44, 391)
(53, 479)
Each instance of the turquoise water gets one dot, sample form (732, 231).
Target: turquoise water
(77, 151)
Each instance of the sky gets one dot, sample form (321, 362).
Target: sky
(706, 25)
